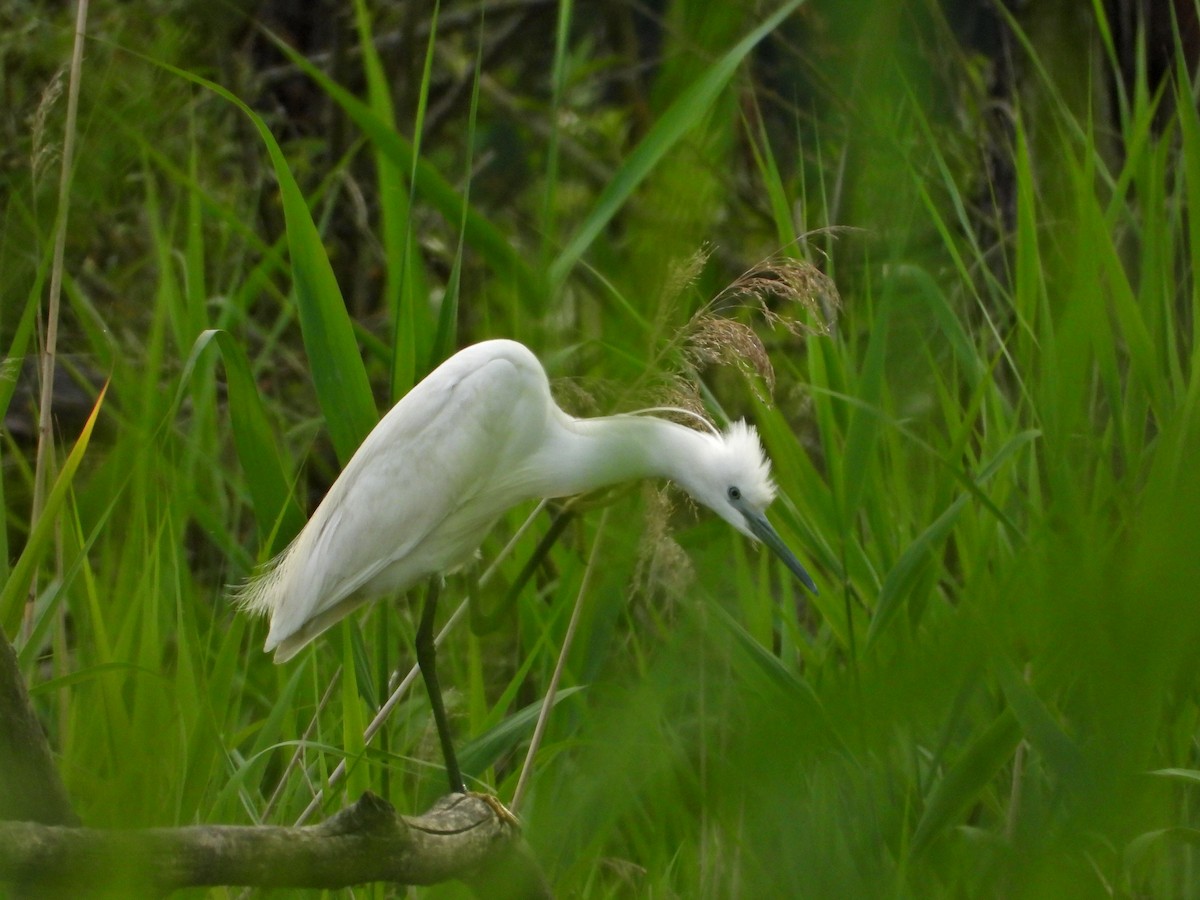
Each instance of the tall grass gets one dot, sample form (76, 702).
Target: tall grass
(989, 461)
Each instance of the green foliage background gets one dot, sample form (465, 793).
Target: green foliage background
(989, 462)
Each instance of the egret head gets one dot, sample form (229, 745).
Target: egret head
(732, 477)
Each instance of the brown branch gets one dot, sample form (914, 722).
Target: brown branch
(461, 837)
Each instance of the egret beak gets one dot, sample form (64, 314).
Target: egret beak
(761, 529)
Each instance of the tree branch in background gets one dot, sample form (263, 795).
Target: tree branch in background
(462, 837)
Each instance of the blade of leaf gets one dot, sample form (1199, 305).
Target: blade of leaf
(964, 781)
(901, 577)
(1136, 850)
(406, 289)
(1047, 737)
(277, 512)
(779, 676)
(488, 240)
(41, 536)
(340, 378)
(444, 342)
(484, 750)
(678, 119)
(1188, 775)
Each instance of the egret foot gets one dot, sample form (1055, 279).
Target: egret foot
(503, 813)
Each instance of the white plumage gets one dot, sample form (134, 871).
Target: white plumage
(479, 435)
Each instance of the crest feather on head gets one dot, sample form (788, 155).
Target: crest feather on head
(748, 461)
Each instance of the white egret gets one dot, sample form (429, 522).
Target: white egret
(479, 435)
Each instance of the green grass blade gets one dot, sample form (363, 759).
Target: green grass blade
(484, 237)
(445, 342)
(1062, 754)
(1189, 776)
(353, 718)
(10, 371)
(902, 577)
(339, 375)
(268, 737)
(772, 181)
(966, 779)
(16, 586)
(951, 327)
(486, 749)
(558, 80)
(19, 344)
(276, 510)
(864, 419)
(405, 286)
(684, 114)
(781, 678)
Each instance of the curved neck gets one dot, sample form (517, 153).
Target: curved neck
(586, 454)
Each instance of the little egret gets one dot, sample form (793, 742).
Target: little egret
(479, 435)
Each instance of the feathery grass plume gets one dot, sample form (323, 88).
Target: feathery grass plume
(582, 396)
(682, 275)
(663, 570)
(776, 283)
(43, 153)
(712, 339)
(713, 336)
(680, 392)
(670, 395)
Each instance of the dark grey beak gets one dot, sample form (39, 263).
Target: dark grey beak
(761, 529)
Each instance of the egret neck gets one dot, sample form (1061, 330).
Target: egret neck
(586, 454)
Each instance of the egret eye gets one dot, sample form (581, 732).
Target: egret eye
(735, 493)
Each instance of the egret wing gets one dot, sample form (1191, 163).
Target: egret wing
(418, 495)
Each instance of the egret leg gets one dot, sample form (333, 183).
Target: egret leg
(427, 660)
